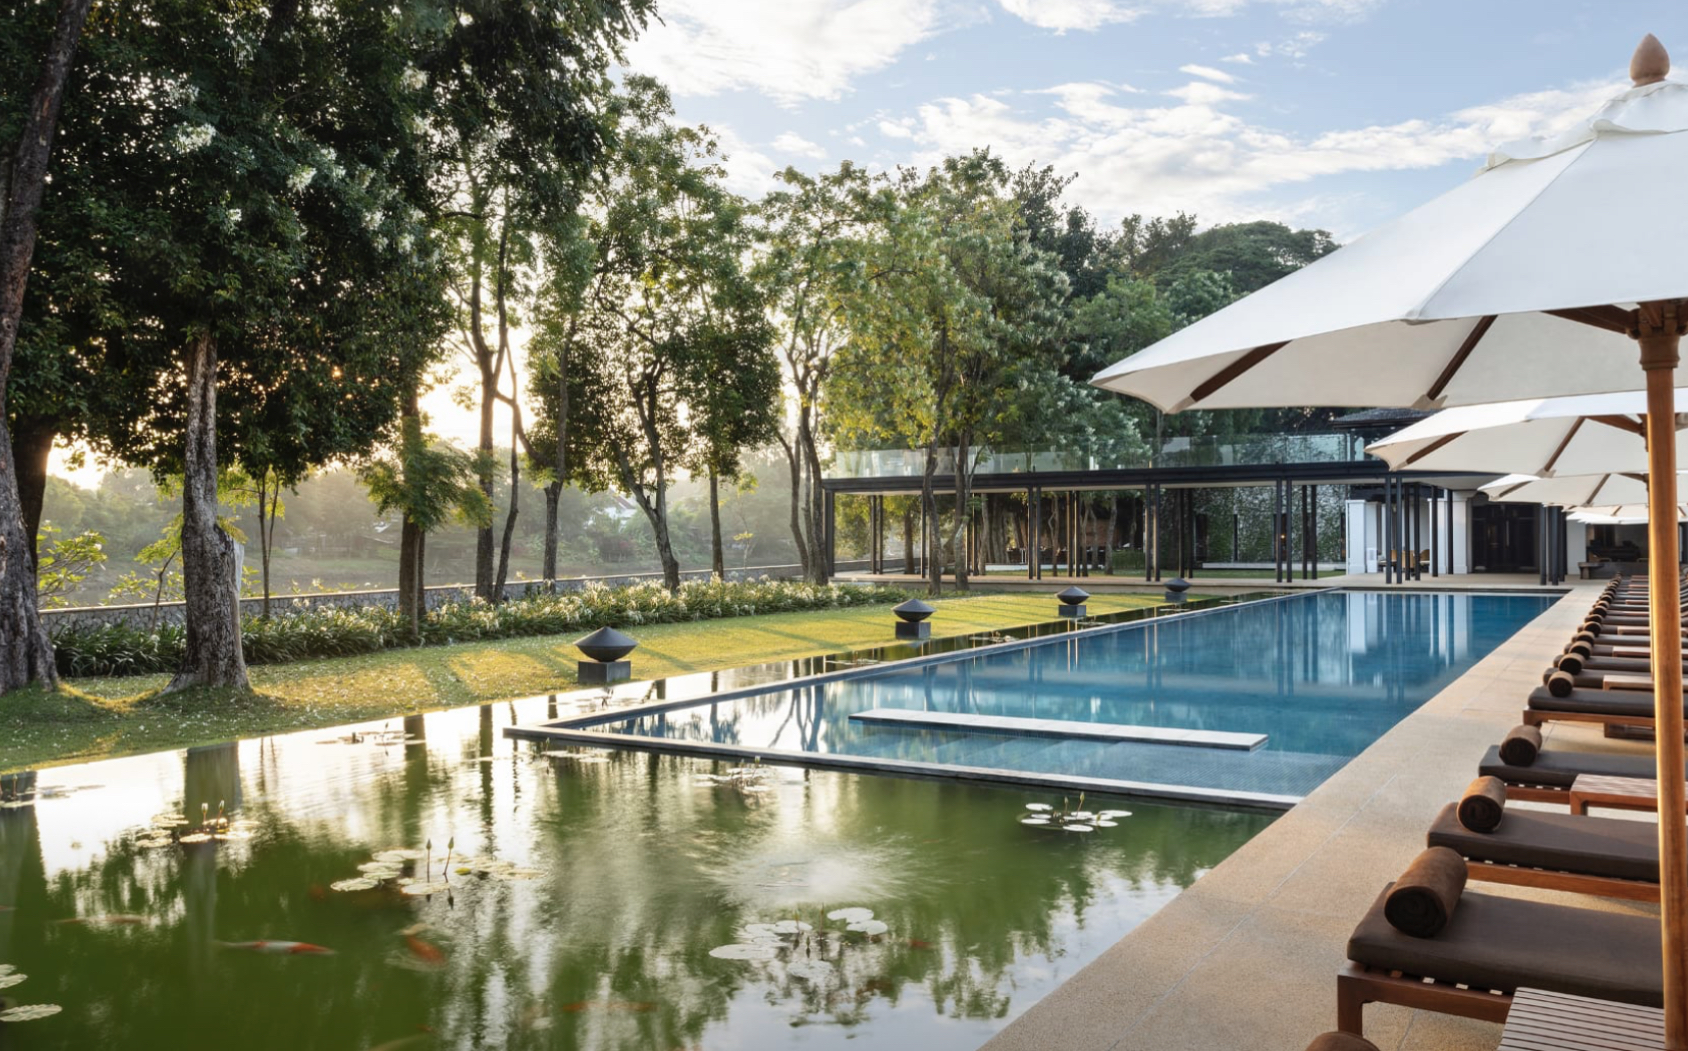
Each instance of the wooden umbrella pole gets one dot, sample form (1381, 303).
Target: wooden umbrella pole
(1659, 332)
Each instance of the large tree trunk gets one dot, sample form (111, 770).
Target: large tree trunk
(509, 519)
(794, 464)
(26, 655)
(716, 551)
(212, 656)
(32, 444)
(814, 498)
(553, 496)
(410, 579)
(929, 504)
(483, 533)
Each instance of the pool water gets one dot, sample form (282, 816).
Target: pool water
(584, 897)
(1322, 675)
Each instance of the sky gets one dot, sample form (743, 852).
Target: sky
(1334, 114)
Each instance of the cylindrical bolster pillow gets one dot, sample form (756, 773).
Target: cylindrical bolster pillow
(1581, 648)
(1560, 684)
(1583, 636)
(1340, 1042)
(1593, 627)
(1520, 747)
(1571, 663)
(1484, 802)
(1422, 901)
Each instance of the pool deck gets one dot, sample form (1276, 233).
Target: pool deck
(1127, 583)
(1247, 957)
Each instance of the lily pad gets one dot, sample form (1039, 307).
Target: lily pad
(9, 980)
(398, 855)
(380, 869)
(29, 1012)
(195, 837)
(853, 915)
(426, 886)
(811, 970)
(1103, 822)
(791, 927)
(744, 952)
(1110, 814)
(871, 928)
(360, 883)
(1034, 820)
(1039, 806)
(1082, 815)
(1078, 827)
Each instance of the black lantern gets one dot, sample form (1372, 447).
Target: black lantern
(605, 647)
(1072, 602)
(911, 619)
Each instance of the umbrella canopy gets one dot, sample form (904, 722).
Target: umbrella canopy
(1571, 490)
(1529, 281)
(1516, 284)
(1619, 514)
(1546, 437)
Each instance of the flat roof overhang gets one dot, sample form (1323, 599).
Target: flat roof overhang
(1362, 472)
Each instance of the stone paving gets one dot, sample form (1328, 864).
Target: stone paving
(1247, 957)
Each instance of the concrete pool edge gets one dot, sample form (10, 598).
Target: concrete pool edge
(1247, 956)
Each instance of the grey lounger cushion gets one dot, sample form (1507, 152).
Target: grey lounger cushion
(1554, 769)
(1587, 846)
(1594, 702)
(1501, 943)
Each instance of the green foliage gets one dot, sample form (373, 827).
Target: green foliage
(64, 562)
(1126, 560)
(300, 634)
(428, 481)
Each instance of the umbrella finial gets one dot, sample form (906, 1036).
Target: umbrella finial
(1650, 63)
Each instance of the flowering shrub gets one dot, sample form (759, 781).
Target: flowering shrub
(300, 632)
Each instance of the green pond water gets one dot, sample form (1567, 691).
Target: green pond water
(585, 896)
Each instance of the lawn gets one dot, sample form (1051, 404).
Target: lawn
(98, 718)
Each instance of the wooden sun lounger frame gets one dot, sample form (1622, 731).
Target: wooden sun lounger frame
(1358, 985)
(1556, 879)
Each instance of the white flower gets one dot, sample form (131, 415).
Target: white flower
(374, 219)
(233, 216)
(418, 126)
(190, 138)
(405, 243)
(301, 178)
(412, 78)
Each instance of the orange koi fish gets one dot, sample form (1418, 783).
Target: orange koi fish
(280, 948)
(427, 952)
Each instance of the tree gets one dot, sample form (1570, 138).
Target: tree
(26, 655)
(965, 324)
(1252, 255)
(812, 237)
(519, 129)
(671, 337)
(429, 483)
(729, 417)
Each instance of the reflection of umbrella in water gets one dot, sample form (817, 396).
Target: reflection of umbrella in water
(1538, 278)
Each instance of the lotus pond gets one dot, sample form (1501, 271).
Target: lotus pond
(436, 885)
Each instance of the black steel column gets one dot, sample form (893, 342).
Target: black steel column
(1148, 570)
(831, 533)
(1435, 544)
(1313, 527)
(1157, 521)
(1541, 542)
(1449, 511)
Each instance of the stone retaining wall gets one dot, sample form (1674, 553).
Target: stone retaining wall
(141, 615)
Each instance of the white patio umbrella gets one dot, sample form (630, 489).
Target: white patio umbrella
(1571, 490)
(1538, 278)
(1619, 514)
(1545, 437)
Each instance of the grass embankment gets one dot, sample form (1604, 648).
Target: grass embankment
(98, 718)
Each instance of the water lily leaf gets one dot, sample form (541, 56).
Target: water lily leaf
(29, 1012)
(1078, 827)
(753, 931)
(12, 804)
(791, 927)
(1039, 806)
(1110, 814)
(195, 837)
(854, 915)
(1034, 820)
(1082, 815)
(811, 970)
(360, 883)
(9, 980)
(871, 928)
(380, 869)
(421, 887)
(744, 952)
(1103, 822)
(6, 968)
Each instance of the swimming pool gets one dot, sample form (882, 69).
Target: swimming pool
(1269, 699)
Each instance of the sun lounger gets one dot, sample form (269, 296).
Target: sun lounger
(1607, 707)
(1548, 779)
(1587, 855)
(1492, 946)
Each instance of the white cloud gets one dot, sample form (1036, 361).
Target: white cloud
(902, 129)
(1191, 154)
(1241, 58)
(787, 50)
(791, 142)
(750, 173)
(1062, 15)
(1293, 47)
(1209, 72)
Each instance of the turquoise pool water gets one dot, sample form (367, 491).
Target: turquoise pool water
(1321, 675)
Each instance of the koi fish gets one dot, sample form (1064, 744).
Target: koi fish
(280, 948)
(916, 943)
(117, 920)
(619, 1006)
(427, 952)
